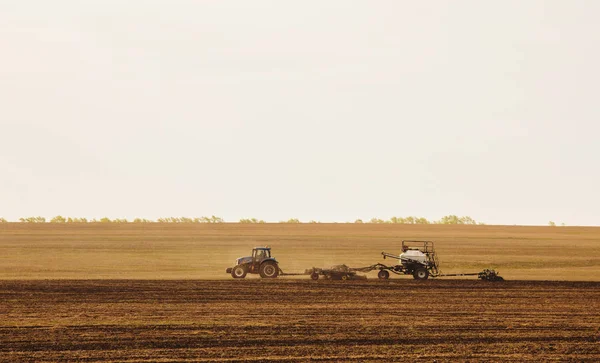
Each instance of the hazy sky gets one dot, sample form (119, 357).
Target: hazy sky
(326, 110)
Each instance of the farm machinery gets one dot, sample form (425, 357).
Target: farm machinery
(260, 262)
(339, 272)
(418, 258)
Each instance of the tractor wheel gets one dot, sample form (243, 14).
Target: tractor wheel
(383, 275)
(421, 274)
(314, 276)
(269, 270)
(239, 272)
(345, 277)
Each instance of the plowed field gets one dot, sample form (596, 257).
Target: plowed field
(298, 320)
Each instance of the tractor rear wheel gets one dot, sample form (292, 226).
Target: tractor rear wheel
(239, 272)
(421, 274)
(314, 276)
(383, 275)
(269, 270)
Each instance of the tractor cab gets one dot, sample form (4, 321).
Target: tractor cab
(260, 254)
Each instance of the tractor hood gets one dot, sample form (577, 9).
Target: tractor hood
(242, 260)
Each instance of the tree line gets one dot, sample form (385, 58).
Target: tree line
(449, 219)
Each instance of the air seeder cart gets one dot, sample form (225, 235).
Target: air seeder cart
(418, 258)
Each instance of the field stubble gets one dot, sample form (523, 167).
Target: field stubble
(203, 251)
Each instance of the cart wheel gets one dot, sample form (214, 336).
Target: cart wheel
(383, 275)
(421, 274)
(345, 277)
(314, 276)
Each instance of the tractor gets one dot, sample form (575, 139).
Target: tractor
(260, 262)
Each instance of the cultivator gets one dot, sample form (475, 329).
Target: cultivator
(339, 272)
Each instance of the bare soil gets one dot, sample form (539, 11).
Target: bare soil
(298, 320)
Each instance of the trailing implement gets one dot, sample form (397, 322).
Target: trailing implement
(418, 258)
(338, 272)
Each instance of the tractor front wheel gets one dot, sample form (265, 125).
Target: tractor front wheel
(314, 276)
(383, 275)
(421, 274)
(269, 270)
(239, 272)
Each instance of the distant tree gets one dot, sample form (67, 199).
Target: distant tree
(313, 221)
(76, 220)
(211, 219)
(552, 224)
(58, 219)
(453, 219)
(421, 220)
(251, 220)
(120, 220)
(33, 220)
(291, 220)
(171, 220)
(142, 220)
(2, 220)
(358, 221)
(215, 219)
(377, 221)
(563, 224)
(105, 220)
(467, 220)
